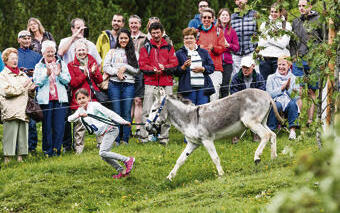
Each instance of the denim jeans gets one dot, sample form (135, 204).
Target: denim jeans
(268, 66)
(226, 76)
(121, 94)
(32, 135)
(291, 112)
(300, 70)
(197, 96)
(53, 127)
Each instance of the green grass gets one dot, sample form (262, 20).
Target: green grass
(73, 183)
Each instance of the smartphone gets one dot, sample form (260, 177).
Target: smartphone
(86, 32)
(189, 57)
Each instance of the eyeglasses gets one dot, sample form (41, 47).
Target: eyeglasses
(189, 37)
(207, 17)
(203, 6)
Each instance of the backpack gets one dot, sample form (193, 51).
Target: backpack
(148, 46)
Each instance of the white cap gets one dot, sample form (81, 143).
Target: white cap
(247, 61)
(24, 33)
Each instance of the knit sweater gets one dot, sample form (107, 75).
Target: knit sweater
(114, 60)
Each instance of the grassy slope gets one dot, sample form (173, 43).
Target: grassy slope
(83, 182)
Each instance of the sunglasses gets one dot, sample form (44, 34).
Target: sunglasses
(207, 17)
(202, 6)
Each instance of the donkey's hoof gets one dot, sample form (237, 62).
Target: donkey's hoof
(169, 178)
(257, 161)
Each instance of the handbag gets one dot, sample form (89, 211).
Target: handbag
(33, 110)
(100, 96)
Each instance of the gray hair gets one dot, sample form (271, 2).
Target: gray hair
(46, 44)
(81, 41)
(136, 17)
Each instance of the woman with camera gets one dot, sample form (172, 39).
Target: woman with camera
(122, 66)
(83, 69)
(194, 67)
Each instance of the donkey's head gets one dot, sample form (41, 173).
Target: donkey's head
(157, 115)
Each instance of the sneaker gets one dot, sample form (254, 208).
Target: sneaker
(129, 165)
(120, 175)
(235, 140)
(152, 138)
(137, 133)
(292, 135)
(256, 138)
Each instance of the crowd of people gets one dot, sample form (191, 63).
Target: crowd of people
(125, 68)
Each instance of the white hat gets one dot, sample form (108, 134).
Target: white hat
(247, 61)
(24, 33)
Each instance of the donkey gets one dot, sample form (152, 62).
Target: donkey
(224, 117)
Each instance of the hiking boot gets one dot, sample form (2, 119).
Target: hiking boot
(129, 165)
(292, 135)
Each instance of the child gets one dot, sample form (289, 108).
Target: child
(108, 132)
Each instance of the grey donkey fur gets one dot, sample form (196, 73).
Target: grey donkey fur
(225, 117)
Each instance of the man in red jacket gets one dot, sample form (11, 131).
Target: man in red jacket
(212, 39)
(157, 60)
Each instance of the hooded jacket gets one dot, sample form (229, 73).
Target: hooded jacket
(195, 22)
(304, 33)
(165, 55)
(212, 37)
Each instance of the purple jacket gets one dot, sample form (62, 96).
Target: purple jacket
(232, 39)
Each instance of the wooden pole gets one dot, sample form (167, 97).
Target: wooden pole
(330, 83)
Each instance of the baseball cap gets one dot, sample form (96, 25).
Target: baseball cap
(247, 61)
(24, 33)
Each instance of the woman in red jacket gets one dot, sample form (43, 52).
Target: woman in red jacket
(231, 45)
(82, 69)
(212, 39)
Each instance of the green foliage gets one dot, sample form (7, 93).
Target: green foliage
(325, 195)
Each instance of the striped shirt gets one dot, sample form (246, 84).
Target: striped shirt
(196, 79)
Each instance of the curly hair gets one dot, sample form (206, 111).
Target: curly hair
(129, 49)
(7, 52)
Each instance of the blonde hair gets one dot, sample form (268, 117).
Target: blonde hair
(41, 28)
(7, 52)
(285, 58)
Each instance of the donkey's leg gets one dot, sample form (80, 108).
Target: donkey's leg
(272, 141)
(209, 145)
(261, 131)
(182, 158)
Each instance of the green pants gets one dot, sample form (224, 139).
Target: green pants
(15, 138)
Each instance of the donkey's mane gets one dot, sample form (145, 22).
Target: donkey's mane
(183, 100)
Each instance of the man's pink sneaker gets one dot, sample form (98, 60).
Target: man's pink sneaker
(129, 165)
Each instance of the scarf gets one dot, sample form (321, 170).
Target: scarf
(83, 62)
(284, 99)
(14, 70)
(206, 29)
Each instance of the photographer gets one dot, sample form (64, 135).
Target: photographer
(26, 63)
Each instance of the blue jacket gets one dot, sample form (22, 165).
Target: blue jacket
(184, 85)
(27, 58)
(2, 65)
(195, 22)
(237, 84)
(40, 78)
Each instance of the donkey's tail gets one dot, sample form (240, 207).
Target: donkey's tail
(276, 112)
